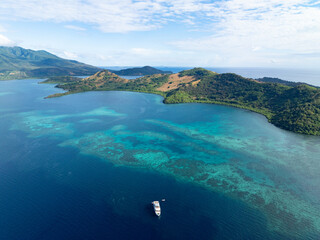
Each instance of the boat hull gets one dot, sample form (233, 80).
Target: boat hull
(156, 207)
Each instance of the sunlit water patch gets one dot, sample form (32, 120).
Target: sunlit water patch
(39, 124)
(5, 93)
(89, 120)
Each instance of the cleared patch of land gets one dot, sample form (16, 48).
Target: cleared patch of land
(175, 81)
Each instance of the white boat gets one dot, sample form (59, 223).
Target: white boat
(156, 207)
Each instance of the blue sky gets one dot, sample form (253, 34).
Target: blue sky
(226, 33)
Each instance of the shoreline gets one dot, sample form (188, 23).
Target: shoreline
(292, 108)
(267, 115)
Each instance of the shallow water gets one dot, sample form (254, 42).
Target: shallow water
(87, 166)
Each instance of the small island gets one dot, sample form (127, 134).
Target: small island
(139, 71)
(292, 107)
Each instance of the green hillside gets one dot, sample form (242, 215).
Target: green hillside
(294, 108)
(17, 62)
(140, 71)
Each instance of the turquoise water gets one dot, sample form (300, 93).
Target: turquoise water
(87, 166)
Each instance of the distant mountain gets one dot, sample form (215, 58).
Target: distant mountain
(142, 71)
(278, 80)
(17, 62)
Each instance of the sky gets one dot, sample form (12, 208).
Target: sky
(224, 33)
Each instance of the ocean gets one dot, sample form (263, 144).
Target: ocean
(88, 166)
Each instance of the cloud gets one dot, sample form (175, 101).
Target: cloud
(4, 41)
(73, 27)
(258, 32)
(108, 16)
(69, 55)
(233, 32)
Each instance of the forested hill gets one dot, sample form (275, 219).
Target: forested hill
(294, 108)
(17, 63)
(140, 71)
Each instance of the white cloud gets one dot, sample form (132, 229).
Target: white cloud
(69, 55)
(107, 15)
(4, 41)
(73, 27)
(260, 32)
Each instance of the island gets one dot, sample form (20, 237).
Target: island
(278, 80)
(139, 71)
(20, 63)
(294, 108)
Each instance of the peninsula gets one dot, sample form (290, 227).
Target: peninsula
(294, 108)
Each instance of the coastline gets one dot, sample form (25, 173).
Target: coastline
(265, 113)
(292, 108)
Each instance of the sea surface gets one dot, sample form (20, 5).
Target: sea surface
(88, 165)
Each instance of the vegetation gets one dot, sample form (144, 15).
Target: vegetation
(197, 72)
(8, 75)
(18, 63)
(295, 108)
(107, 81)
(147, 70)
(278, 80)
(178, 97)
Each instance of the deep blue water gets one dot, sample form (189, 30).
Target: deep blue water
(87, 166)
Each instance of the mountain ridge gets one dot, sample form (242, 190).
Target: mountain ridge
(17, 62)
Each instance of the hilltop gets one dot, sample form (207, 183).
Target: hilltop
(17, 63)
(140, 71)
(294, 108)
